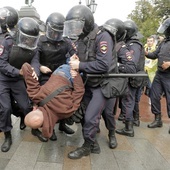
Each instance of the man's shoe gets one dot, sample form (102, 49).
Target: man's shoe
(38, 133)
(53, 137)
(7, 143)
(64, 128)
(95, 148)
(22, 124)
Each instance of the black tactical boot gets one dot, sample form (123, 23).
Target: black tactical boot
(121, 116)
(64, 128)
(7, 143)
(95, 148)
(136, 121)
(112, 139)
(157, 122)
(80, 152)
(22, 124)
(127, 130)
(53, 137)
(38, 133)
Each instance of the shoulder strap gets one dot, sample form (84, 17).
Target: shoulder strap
(53, 94)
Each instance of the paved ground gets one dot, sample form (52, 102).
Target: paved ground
(148, 150)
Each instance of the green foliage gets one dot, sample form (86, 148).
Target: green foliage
(148, 15)
(162, 7)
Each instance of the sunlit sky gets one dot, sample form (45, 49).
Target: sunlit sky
(106, 9)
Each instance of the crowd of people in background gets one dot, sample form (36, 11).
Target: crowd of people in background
(44, 78)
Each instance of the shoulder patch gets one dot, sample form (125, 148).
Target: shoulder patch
(1, 49)
(103, 47)
(129, 56)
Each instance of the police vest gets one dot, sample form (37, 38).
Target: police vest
(141, 63)
(87, 52)
(18, 56)
(52, 54)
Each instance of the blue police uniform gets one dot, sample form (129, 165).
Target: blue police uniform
(129, 101)
(126, 65)
(99, 61)
(161, 82)
(11, 83)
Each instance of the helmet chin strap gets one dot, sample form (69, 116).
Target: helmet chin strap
(12, 33)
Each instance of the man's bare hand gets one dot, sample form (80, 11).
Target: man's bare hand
(45, 69)
(34, 75)
(74, 57)
(165, 65)
(74, 62)
(73, 73)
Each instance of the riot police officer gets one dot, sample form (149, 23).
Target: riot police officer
(130, 102)
(9, 18)
(94, 55)
(52, 51)
(125, 64)
(16, 50)
(161, 82)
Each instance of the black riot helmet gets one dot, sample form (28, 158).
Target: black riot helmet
(55, 26)
(8, 18)
(164, 28)
(116, 28)
(28, 33)
(79, 20)
(131, 29)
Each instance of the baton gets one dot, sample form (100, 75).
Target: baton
(116, 75)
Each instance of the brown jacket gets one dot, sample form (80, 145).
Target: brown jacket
(61, 106)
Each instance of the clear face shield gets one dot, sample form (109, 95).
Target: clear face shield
(73, 28)
(162, 28)
(27, 41)
(53, 34)
(4, 13)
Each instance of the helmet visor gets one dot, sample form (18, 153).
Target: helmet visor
(53, 34)
(4, 13)
(27, 41)
(162, 28)
(73, 28)
(111, 29)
